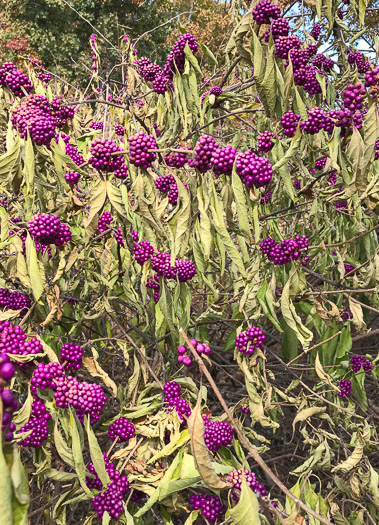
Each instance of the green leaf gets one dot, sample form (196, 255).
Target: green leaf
(174, 444)
(371, 126)
(77, 455)
(96, 454)
(23, 415)
(116, 199)
(9, 162)
(246, 511)
(5, 489)
(97, 198)
(208, 53)
(33, 268)
(240, 200)
(269, 82)
(304, 335)
(62, 448)
(290, 343)
(258, 59)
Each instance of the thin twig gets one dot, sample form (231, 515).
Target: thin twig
(313, 348)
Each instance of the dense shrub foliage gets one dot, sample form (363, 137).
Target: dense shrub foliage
(189, 275)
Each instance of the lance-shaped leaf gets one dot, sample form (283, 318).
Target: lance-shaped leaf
(246, 512)
(9, 162)
(200, 451)
(97, 197)
(78, 455)
(354, 458)
(34, 271)
(96, 453)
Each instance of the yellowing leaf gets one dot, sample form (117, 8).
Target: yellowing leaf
(306, 413)
(95, 370)
(200, 451)
(352, 460)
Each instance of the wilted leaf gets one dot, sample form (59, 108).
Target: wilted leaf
(95, 370)
(200, 451)
(305, 414)
(353, 459)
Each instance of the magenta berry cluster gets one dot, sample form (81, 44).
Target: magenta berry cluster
(265, 143)
(316, 30)
(38, 117)
(358, 362)
(176, 159)
(46, 376)
(14, 301)
(253, 170)
(279, 27)
(297, 184)
(40, 432)
(121, 429)
(353, 97)
(245, 410)
(15, 80)
(87, 399)
(111, 499)
(101, 155)
(204, 149)
(172, 398)
(176, 58)
(289, 123)
(210, 506)
(284, 44)
(348, 267)
(139, 145)
(147, 70)
(153, 285)
(217, 434)
(323, 63)
(71, 150)
(72, 177)
(39, 410)
(286, 251)
(265, 11)
(199, 347)
(167, 183)
(95, 124)
(320, 163)
(265, 198)
(346, 314)
(71, 356)
(357, 60)
(183, 270)
(105, 220)
(345, 387)
(248, 341)
(9, 403)
(48, 229)
(235, 479)
(222, 160)
(142, 252)
(13, 341)
(372, 77)
(119, 130)
(118, 237)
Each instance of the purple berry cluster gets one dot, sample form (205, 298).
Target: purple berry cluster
(46, 376)
(119, 130)
(13, 341)
(265, 11)
(8, 401)
(176, 159)
(265, 198)
(94, 57)
(95, 124)
(87, 399)
(71, 356)
(289, 123)
(248, 341)
(348, 267)
(284, 44)
(320, 163)
(71, 150)
(235, 479)
(353, 97)
(286, 251)
(15, 80)
(322, 62)
(111, 499)
(279, 27)
(153, 285)
(253, 170)
(204, 149)
(172, 398)
(209, 504)
(167, 183)
(345, 387)
(358, 362)
(14, 301)
(72, 177)
(246, 410)
(40, 432)
(346, 314)
(47, 229)
(222, 160)
(316, 30)
(176, 58)
(102, 158)
(121, 429)
(265, 143)
(104, 221)
(142, 252)
(118, 237)
(147, 70)
(140, 144)
(37, 116)
(297, 184)
(183, 270)
(39, 410)
(357, 60)
(199, 347)
(372, 77)
(307, 78)
(217, 434)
